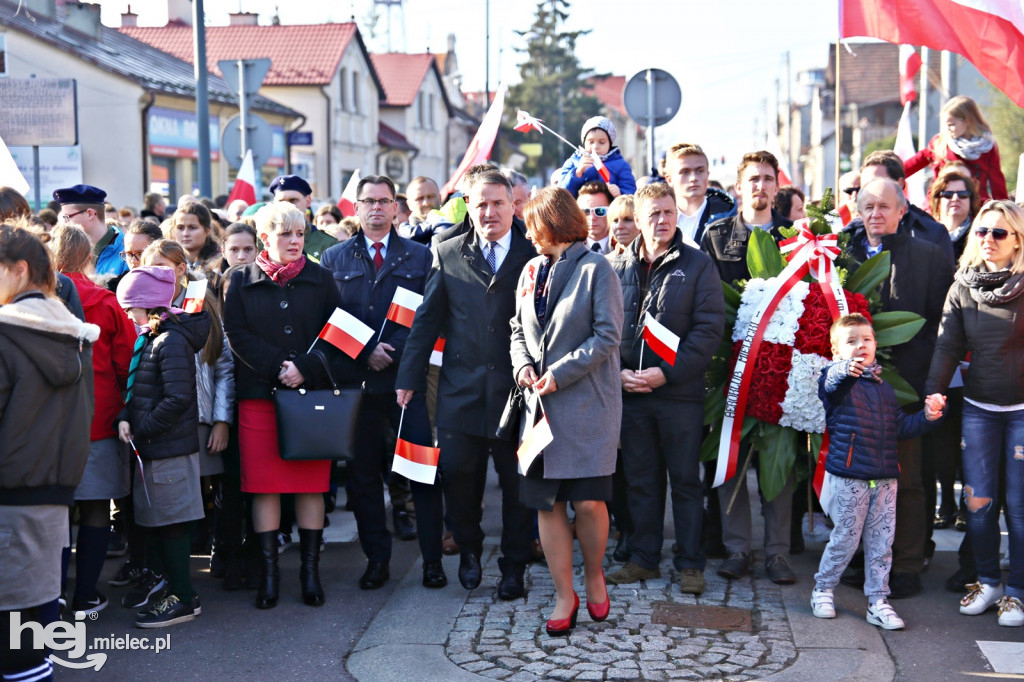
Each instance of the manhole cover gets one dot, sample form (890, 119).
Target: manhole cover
(697, 616)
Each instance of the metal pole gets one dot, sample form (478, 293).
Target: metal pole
(650, 123)
(922, 111)
(839, 127)
(243, 109)
(949, 80)
(35, 178)
(202, 98)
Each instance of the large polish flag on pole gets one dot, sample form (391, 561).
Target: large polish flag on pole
(989, 33)
(480, 146)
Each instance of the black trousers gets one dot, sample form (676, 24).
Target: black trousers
(365, 486)
(464, 473)
(661, 440)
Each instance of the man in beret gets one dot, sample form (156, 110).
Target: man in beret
(297, 192)
(82, 206)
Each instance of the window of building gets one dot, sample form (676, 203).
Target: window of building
(420, 117)
(357, 107)
(343, 90)
(430, 112)
(3, 54)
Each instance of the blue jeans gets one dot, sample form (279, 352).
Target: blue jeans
(990, 441)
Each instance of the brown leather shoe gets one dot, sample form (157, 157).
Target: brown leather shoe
(448, 546)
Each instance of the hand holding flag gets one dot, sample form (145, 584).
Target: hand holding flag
(195, 295)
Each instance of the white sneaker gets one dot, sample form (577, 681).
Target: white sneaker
(1011, 612)
(883, 615)
(979, 598)
(822, 605)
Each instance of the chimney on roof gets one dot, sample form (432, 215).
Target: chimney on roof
(129, 19)
(43, 8)
(84, 18)
(244, 19)
(179, 11)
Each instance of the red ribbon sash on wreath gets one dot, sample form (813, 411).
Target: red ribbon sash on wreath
(806, 253)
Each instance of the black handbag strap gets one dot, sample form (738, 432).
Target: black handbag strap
(323, 360)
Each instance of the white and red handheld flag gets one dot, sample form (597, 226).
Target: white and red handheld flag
(403, 306)
(245, 182)
(346, 332)
(661, 340)
(525, 123)
(601, 169)
(535, 440)
(415, 462)
(195, 294)
(438, 353)
(347, 203)
(910, 64)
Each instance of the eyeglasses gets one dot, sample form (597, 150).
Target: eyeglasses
(998, 233)
(949, 194)
(383, 203)
(66, 217)
(600, 211)
(851, 190)
(130, 256)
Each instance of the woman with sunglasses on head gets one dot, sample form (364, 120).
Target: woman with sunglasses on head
(984, 314)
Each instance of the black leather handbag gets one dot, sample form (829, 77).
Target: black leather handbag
(317, 424)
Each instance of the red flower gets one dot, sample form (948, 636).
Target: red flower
(769, 381)
(815, 323)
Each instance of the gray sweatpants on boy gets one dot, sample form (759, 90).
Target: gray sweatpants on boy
(858, 508)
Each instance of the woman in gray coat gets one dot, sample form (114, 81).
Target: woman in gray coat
(565, 338)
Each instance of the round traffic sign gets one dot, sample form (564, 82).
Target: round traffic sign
(666, 99)
(259, 138)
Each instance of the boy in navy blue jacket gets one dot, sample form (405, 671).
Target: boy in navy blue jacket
(864, 422)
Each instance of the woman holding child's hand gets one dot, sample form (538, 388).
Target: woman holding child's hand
(984, 313)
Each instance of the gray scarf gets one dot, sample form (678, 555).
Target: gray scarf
(992, 288)
(971, 148)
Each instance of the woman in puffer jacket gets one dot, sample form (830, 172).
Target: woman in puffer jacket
(46, 406)
(984, 315)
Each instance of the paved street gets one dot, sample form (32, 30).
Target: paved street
(405, 632)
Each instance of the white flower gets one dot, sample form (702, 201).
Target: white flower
(801, 408)
(783, 325)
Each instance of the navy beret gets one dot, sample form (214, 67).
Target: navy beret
(283, 183)
(79, 194)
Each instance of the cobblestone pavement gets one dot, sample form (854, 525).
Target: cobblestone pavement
(507, 641)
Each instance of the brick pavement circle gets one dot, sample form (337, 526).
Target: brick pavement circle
(506, 640)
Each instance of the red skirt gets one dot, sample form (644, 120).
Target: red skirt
(263, 470)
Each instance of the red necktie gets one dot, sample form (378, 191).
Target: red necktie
(378, 259)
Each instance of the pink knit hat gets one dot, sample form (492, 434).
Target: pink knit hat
(148, 287)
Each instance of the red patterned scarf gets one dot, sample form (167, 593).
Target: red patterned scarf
(282, 274)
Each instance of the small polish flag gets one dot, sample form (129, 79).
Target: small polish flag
(346, 332)
(534, 442)
(910, 64)
(415, 462)
(660, 339)
(438, 352)
(195, 294)
(403, 306)
(245, 182)
(601, 169)
(347, 203)
(525, 123)
(845, 215)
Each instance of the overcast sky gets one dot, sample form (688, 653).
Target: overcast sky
(726, 60)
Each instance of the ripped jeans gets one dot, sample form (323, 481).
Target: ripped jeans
(991, 439)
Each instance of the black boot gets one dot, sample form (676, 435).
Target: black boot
(309, 571)
(270, 577)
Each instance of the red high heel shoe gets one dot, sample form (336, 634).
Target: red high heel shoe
(599, 612)
(563, 626)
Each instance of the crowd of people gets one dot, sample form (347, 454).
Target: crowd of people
(162, 401)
